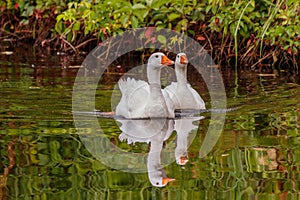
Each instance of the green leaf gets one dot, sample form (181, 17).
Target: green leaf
(247, 19)
(207, 9)
(59, 27)
(182, 24)
(292, 1)
(160, 26)
(158, 23)
(149, 2)
(76, 26)
(214, 10)
(69, 36)
(174, 40)
(140, 14)
(195, 3)
(87, 28)
(138, 6)
(159, 16)
(134, 22)
(25, 21)
(232, 28)
(125, 9)
(162, 39)
(192, 32)
(251, 7)
(59, 17)
(173, 16)
(286, 47)
(101, 36)
(124, 19)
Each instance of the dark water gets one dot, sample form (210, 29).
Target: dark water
(44, 156)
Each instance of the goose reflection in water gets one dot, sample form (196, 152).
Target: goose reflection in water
(155, 132)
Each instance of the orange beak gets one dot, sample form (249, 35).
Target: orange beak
(166, 180)
(183, 160)
(183, 60)
(166, 61)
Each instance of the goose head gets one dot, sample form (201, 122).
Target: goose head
(161, 182)
(158, 60)
(181, 60)
(155, 63)
(182, 160)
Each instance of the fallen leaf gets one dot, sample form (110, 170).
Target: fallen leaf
(201, 38)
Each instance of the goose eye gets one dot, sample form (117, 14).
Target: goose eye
(157, 183)
(178, 56)
(156, 56)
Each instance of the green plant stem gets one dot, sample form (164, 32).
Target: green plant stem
(268, 23)
(235, 34)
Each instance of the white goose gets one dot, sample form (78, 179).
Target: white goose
(182, 94)
(145, 100)
(184, 127)
(155, 132)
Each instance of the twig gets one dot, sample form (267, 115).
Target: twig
(68, 43)
(9, 33)
(222, 49)
(4, 37)
(106, 52)
(85, 42)
(252, 66)
(23, 31)
(211, 47)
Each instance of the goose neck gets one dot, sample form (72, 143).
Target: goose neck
(181, 75)
(153, 76)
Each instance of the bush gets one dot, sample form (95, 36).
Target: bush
(251, 30)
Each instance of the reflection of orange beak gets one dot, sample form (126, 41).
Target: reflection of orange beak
(166, 61)
(166, 180)
(183, 160)
(183, 60)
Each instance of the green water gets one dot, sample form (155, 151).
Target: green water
(257, 155)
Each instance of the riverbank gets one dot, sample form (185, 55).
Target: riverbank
(253, 34)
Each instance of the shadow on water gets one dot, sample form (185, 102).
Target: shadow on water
(43, 157)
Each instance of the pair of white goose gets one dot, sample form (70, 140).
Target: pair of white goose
(142, 100)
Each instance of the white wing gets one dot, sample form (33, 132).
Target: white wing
(184, 98)
(135, 94)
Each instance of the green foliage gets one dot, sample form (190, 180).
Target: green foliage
(276, 23)
(35, 17)
(37, 8)
(106, 18)
(285, 28)
(238, 17)
(251, 25)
